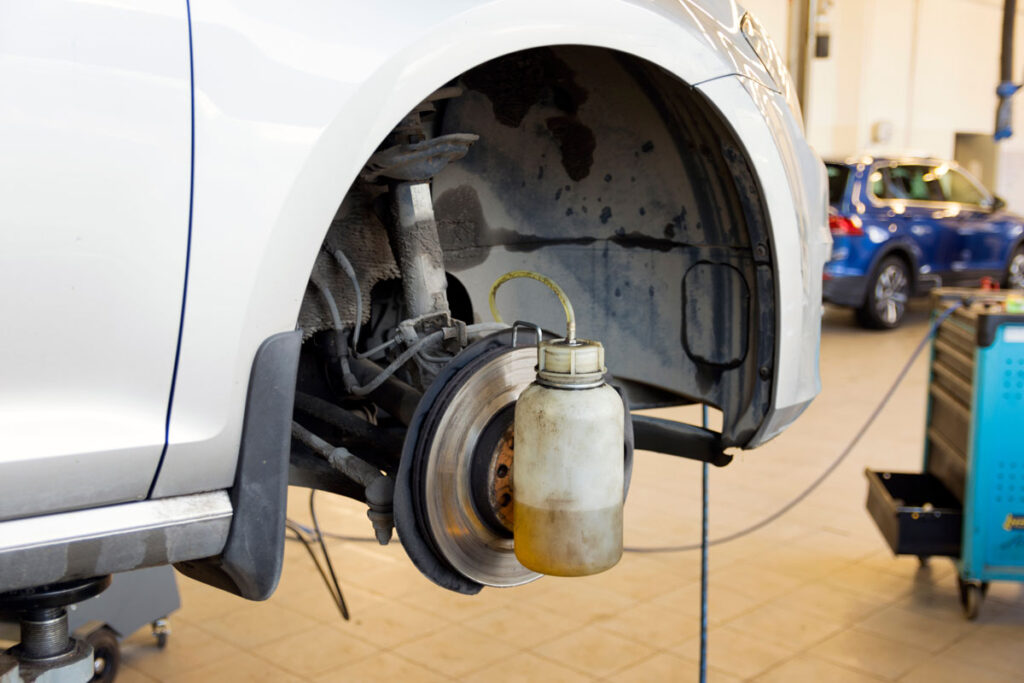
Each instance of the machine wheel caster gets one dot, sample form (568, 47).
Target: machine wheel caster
(161, 631)
(972, 593)
(106, 654)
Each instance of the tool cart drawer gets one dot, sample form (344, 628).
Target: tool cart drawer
(915, 512)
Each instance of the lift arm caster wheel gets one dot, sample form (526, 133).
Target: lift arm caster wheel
(161, 629)
(106, 654)
(972, 593)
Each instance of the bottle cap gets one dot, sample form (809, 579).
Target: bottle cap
(571, 365)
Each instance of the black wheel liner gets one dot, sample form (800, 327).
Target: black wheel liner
(410, 517)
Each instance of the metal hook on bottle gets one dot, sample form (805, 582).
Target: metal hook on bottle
(532, 326)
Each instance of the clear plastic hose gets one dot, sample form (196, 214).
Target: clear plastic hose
(570, 315)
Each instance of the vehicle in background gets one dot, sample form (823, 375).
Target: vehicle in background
(901, 226)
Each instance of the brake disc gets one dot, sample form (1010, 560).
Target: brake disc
(470, 535)
(453, 495)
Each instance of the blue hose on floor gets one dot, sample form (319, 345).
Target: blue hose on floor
(704, 561)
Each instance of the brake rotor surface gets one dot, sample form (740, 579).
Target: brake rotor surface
(470, 535)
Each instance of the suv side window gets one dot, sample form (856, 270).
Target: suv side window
(914, 182)
(956, 187)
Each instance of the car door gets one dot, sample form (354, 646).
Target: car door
(981, 243)
(910, 205)
(95, 170)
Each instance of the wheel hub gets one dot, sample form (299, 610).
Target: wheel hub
(1016, 274)
(491, 471)
(890, 294)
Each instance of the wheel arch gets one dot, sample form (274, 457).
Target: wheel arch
(903, 251)
(1018, 243)
(674, 40)
(285, 238)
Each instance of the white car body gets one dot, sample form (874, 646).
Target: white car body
(167, 174)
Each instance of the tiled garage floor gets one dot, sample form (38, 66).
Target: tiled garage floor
(814, 597)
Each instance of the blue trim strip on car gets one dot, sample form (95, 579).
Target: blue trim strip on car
(188, 243)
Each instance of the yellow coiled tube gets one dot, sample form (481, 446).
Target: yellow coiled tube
(570, 316)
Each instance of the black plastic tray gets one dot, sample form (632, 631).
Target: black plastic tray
(916, 513)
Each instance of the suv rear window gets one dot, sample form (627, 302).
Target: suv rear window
(838, 176)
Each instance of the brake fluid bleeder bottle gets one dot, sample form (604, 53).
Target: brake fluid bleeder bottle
(568, 470)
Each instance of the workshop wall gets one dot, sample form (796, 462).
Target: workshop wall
(905, 76)
(923, 69)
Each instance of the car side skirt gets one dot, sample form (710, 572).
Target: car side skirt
(75, 545)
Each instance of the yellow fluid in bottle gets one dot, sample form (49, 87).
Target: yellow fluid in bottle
(567, 542)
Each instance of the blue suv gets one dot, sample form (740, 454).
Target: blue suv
(902, 226)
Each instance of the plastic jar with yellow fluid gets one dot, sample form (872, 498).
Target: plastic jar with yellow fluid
(568, 471)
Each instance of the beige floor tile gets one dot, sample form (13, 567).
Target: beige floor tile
(256, 624)
(986, 649)
(523, 626)
(237, 668)
(201, 602)
(585, 603)
(454, 651)
(753, 580)
(901, 625)
(637, 577)
(868, 581)
(662, 667)
(946, 669)
(872, 654)
(188, 648)
(392, 623)
(126, 674)
(316, 603)
(298, 577)
(724, 604)
(595, 651)
(382, 668)
(455, 606)
(788, 628)
(734, 652)
(524, 667)
(682, 567)
(806, 669)
(825, 600)
(802, 563)
(838, 543)
(316, 651)
(651, 624)
(389, 580)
